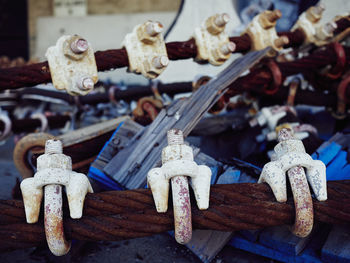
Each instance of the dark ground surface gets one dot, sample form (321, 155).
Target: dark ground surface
(157, 248)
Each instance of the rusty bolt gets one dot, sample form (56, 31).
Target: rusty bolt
(318, 9)
(273, 16)
(79, 46)
(329, 28)
(314, 13)
(222, 19)
(154, 28)
(177, 165)
(160, 62)
(228, 48)
(281, 41)
(85, 83)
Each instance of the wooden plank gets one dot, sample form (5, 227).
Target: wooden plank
(337, 246)
(145, 152)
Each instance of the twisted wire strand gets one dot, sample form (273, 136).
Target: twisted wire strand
(129, 214)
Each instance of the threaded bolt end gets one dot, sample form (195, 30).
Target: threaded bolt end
(154, 28)
(285, 134)
(175, 136)
(53, 146)
(222, 19)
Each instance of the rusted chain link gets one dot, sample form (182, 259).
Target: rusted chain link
(129, 214)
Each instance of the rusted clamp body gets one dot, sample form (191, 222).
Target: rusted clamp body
(177, 165)
(146, 49)
(54, 170)
(291, 158)
(72, 65)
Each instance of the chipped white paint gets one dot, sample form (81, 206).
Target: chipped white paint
(290, 157)
(212, 42)
(54, 171)
(177, 163)
(146, 49)
(263, 33)
(72, 65)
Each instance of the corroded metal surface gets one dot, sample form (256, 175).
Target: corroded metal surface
(119, 215)
(53, 214)
(54, 170)
(177, 163)
(290, 157)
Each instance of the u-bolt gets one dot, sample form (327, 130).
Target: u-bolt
(291, 158)
(304, 214)
(54, 169)
(177, 165)
(181, 197)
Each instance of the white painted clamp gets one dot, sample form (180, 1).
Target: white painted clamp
(54, 169)
(146, 49)
(290, 158)
(263, 33)
(177, 165)
(213, 44)
(72, 65)
(271, 116)
(309, 23)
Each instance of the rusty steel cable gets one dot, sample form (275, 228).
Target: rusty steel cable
(129, 214)
(31, 75)
(258, 78)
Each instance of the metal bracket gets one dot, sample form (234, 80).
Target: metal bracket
(72, 65)
(213, 44)
(177, 163)
(54, 170)
(263, 33)
(146, 49)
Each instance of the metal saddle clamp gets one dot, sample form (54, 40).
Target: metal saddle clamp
(177, 165)
(54, 170)
(291, 158)
(263, 33)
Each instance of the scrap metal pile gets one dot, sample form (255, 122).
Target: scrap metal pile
(270, 114)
